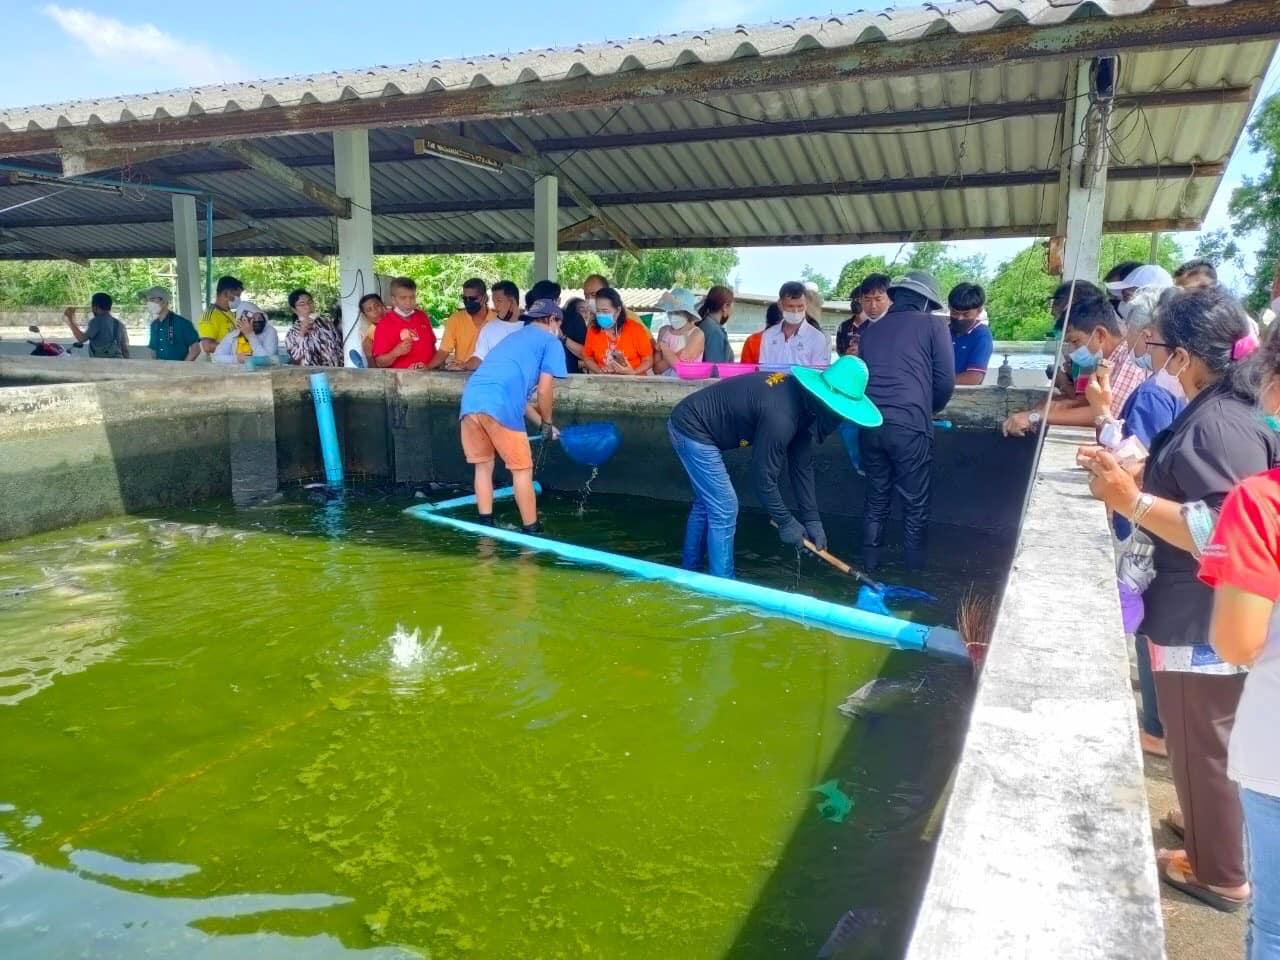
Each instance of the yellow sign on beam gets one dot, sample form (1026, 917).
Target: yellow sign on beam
(434, 148)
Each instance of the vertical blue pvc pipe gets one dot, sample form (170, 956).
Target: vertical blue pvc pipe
(323, 398)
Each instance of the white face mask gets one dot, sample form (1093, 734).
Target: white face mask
(404, 313)
(1163, 378)
(155, 309)
(235, 305)
(1123, 309)
(793, 317)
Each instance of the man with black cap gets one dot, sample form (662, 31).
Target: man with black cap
(912, 366)
(777, 415)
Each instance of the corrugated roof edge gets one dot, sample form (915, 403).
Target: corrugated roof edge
(598, 59)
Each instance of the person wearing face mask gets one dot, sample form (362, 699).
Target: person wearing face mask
(1242, 565)
(713, 315)
(404, 338)
(462, 328)
(970, 337)
(1115, 275)
(1201, 339)
(912, 378)
(1145, 276)
(616, 343)
(794, 342)
(1092, 336)
(681, 340)
(252, 337)
(1150, 409)
(506, 321)
(173, 337)
(220, 318)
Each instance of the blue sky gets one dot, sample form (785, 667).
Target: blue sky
(87, 48)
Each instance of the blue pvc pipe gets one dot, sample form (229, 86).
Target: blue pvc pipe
(323, 398)
(502, 493)
(872, 626)
(943, 424)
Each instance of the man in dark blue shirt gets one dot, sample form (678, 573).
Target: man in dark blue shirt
(909, 355)
(970, 337)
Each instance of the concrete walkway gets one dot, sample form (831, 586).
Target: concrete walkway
(1192, 930)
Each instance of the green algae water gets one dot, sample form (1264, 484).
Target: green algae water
(316, 731)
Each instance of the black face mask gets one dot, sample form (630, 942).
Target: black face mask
(959, 329)
(471, 305)
(259, 326)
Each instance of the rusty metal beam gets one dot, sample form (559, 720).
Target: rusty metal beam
(1171, 172)
(845, 124)
(80, 161)
(576, 230)
(655, 243)
(1163, 26)
(277, 172)
(234, 236)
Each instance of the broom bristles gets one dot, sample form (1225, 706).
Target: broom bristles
(976, 621)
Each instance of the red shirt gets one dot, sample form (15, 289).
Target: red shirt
(1245, 550)
(390, 331)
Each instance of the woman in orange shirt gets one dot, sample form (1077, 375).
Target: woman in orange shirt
(615, 342)
(751, 349)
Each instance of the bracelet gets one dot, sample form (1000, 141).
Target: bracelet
(1141, 507)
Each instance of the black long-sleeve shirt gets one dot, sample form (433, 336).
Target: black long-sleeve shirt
(772, 414)
(912, 366)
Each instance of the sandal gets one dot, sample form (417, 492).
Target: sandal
(1176, 872)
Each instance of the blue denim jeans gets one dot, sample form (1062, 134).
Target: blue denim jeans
(1262, 829)
(713, 518)
(849, 437)
(1151, 724)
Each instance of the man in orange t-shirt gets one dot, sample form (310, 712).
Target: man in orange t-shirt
(462, 328)
(403, 339)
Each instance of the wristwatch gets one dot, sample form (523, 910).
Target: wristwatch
(1034, 418)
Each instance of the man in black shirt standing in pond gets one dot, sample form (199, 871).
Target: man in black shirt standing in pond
(912, 367)
(778, 416)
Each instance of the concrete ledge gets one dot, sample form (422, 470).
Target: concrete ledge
(1046, 846)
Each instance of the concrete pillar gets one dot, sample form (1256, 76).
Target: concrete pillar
(546, 225)
(186, 251)
(1083, 193)
(355, 235)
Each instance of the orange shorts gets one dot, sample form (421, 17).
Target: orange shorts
(483, 436)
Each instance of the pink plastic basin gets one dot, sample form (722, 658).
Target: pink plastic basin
(693, 371)
(736, 369)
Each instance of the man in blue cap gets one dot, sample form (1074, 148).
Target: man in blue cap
(912, 366)
(526, 364)
(777, 415)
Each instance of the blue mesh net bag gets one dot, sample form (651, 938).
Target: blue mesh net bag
(590, 444)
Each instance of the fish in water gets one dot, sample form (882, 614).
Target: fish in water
(855, 923)
(881, 695)
(836, 804)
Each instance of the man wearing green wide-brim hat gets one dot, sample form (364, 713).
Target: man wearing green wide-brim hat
(777, 415)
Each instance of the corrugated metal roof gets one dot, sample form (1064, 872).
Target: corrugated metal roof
(586, 60)
(868, 161)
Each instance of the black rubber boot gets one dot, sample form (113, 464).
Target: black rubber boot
(484, 519)
(533, 529)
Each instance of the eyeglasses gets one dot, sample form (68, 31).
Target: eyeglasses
(1160, 343)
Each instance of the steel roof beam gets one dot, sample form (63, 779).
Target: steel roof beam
(846, 188)
(1158, 27)
(277, 172)
(649, 243)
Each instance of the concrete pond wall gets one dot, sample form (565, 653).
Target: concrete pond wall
(1045, 845)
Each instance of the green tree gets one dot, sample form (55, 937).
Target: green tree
(1255, 205)
(934, 258)
(856, 270)
(825, 287)
(1119, 247)
(1018, 296)
(694, 268)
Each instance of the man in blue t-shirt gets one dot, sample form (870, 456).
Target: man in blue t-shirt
(493, 408)
(970, 337)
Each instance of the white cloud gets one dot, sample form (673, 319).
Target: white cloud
(702, 14)
(146, 45)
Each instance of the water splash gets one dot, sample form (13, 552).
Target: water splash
(585, 492)
(407, 649)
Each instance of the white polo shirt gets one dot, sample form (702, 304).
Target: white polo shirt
(809, 347)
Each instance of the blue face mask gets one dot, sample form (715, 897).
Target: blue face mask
(1143, 361)
(604, 320)
(1272, 421)
(1084, 358)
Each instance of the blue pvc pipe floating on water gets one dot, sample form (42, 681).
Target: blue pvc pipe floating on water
(872, 626)
(323, 397)
(502, 493)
